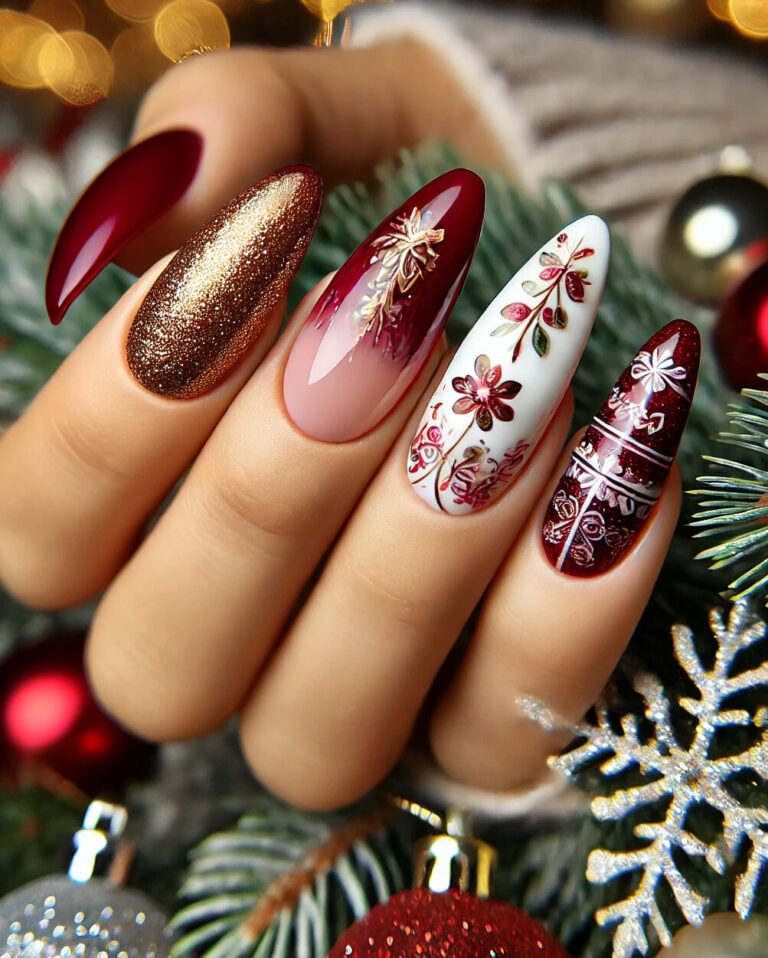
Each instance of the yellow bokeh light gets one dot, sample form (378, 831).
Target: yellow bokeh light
(327, 9)
(184, 27)
(750, 17)
(719, 9)
(21, 39)
(61, 14)
(138, 62)
(76, 67)
(136, 10)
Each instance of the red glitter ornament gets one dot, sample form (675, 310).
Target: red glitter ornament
(741, 333)
(450, 924)
(49, 719)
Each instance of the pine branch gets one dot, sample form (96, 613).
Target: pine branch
(287, 883)
(737, 513)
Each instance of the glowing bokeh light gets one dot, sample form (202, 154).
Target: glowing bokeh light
(711, 231)
(21, 39)
(750, 17)
(138, 62)
(720, 9)
(42, 709)
(77, 67)
(185, 27)
(327, 9)
(60, 14)
(136, 11)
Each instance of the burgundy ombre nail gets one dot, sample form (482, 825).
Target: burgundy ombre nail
(134, 191)
(374, 327)
(618, 469)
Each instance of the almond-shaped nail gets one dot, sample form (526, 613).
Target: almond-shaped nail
(374, 327)
(216, 296)
(616, 473)
(134, 191)
(510, 374)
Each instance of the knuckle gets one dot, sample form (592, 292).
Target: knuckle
(87, 443)
(248, 505)
(387, 590)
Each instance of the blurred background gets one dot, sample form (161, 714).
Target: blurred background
(60, 60)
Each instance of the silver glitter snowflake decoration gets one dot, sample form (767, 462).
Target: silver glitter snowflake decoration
(686, 776)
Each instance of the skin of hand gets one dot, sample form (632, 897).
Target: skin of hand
(321, 608)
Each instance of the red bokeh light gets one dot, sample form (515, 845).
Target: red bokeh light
(42, 709)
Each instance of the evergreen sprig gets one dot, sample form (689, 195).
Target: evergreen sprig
(285, 884)
(738, 515)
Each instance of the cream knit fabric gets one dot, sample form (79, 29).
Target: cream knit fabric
(628, 123)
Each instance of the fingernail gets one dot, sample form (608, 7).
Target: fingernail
(215, 298)
(510, 374)
(616, 473)
(372, 330)
(134, 191)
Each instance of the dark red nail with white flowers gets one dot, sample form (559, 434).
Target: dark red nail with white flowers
(618, 469)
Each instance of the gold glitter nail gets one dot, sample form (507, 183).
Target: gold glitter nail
(214, 299)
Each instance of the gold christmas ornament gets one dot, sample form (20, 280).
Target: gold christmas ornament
(715, 234)
(723, 935)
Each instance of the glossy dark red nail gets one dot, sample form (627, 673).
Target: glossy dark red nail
(374, 327)
(618, 469)
(134, 191)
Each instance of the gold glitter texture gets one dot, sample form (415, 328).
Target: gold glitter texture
(214, 299)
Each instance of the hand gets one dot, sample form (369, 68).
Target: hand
(296, 577)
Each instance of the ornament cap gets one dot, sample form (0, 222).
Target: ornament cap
(455, 859)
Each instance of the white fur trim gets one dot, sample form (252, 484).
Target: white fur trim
(552, 796)
(488, 91)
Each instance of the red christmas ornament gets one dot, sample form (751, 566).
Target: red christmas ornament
(450, 924)
(449, 913)
(741, 332)
(49, 719)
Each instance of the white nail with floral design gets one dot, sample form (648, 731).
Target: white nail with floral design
(510, 374)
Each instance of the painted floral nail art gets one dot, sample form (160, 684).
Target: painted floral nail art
(373, 329)
(510, 373)
(484, 396)
(617, 471)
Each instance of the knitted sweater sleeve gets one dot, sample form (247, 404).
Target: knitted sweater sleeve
(628, 123)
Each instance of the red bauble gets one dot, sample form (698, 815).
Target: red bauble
(49, 719)
(741, 333)
(450, 924)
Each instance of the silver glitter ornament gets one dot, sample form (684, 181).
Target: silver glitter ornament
(79, 916)
(55, 917)
(685, 775)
